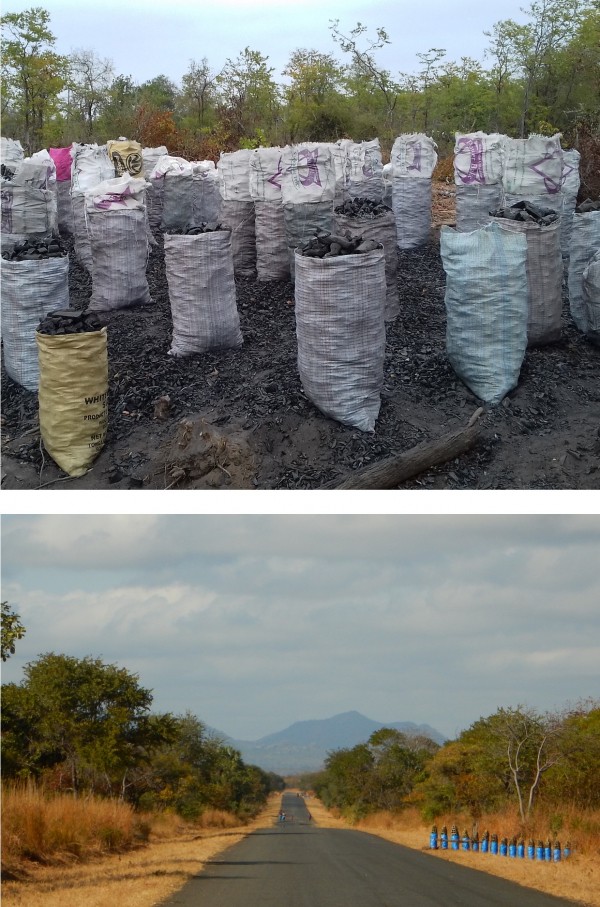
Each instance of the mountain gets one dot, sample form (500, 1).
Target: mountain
(304, 745)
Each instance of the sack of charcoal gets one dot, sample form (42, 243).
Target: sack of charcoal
(35, 279)
(487, 307)
(585, 242)
(591, 298)
(374, 220)
(117, 229)
(73, 389)
(340, 327)
(199, 269)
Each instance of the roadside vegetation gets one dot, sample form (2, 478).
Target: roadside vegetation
(538, 76)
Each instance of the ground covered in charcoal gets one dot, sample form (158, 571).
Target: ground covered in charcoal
(239, 419)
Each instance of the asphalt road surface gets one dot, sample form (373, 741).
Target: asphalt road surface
(295, 864)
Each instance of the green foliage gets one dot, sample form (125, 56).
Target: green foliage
(12, 630)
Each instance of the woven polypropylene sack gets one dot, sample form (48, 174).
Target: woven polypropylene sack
(570, 189)
(81, 239)
(591, 298)
(126, 157)
(585, 242)
(27, 212)
(176, 201)
(544, 278)
(206, 199)
(201, 283)
(301, 223)
(30, 289)
(240, 218)
(64, 207)
(73, 395)
(381, 229)
(119, 247)
(340, 327)
(272, 257)
(486, 307)
(532, 166)
(474, 204)
(412, 203)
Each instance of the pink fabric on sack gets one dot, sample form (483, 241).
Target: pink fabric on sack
(62, 160)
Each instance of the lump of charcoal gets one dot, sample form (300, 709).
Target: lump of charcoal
(588, 205)
(35, 250)
(69, 321)
(362, 207)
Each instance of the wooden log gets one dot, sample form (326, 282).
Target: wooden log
(394, 470)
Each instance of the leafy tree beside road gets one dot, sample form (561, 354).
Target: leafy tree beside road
(12, 630)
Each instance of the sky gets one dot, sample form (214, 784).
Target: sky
(253, 622)
(146, 38)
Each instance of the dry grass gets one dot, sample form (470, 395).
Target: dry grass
(577, 879)
(138, 878)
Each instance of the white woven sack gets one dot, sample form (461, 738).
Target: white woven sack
(234, 175)
(64, 207)
(533, 166)
(91, 166)
(366, 171)
(272, 257)
(119, 246)
(340, 328)
(206, 196)
(176, 200)
(585, 242)
(414, 155)
(412, 205)
(591, 298)
(381, 229)
(201, 283)
(151, 157)
(266, 173)
(474, 203)
(570, 183)
(308, 174)
(83, 250)
(478, 158)
(28, 212)
(11, 152)
(544, 278)
(240, 218)
(30, 289)
(486, 307)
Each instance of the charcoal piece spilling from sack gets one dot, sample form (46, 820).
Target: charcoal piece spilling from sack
(340, 327)
(117, 230)
(585, 242)
(376, 222)
(541, 228)
(301, 222)
(69, 321)
(73, 397)
(486, 306)
(31, 288)
(201, 282)
(34, 250)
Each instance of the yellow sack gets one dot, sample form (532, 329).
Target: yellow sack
(73, 397)
(126, 157)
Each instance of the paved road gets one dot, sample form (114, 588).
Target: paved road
(295, 864)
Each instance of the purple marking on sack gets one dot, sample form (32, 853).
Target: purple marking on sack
(475, 172)
(6, 198)
(416, 150)
(552, 187)
(310, 159)
(567, 170)
(275, 180)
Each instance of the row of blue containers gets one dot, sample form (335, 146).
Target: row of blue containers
(549, 852)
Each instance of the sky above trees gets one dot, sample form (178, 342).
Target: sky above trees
(254, 622)
(145, 38)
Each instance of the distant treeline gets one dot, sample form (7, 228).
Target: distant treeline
(541, 76)
(517, 758)
(80, 726)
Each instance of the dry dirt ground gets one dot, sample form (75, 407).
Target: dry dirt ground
(239, 419)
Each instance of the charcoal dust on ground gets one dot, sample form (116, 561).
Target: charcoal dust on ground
(239, 418)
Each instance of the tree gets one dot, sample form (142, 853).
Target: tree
(12, 630)
(249, 99)
(198, 86)
(90, 79)
(33, 75)
(316, 109)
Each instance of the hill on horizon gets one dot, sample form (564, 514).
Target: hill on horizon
(304, 745)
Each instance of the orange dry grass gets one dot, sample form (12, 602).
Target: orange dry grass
(138, 878)
(576, 879)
